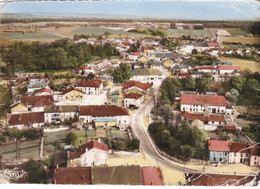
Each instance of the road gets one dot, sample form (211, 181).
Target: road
(146, 143)
(52, 33)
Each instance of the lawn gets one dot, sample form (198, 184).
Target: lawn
(254, 66)
(237, 32)
(99, 31)
(80, 138)
(204, 32)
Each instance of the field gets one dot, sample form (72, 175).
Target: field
(237, 32)
(28, 149)
(205, 32)
(99, 31)
(21, 36)
(254, 66)
(242, 40)
(55, 140)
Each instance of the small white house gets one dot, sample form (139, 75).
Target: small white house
(228, 69)
(133, 100)
(92, 87)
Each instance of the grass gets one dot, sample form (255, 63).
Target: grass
(254, 66)
(80, 138)
(242, 40)
(237, 32)
(5, 98)
(204, 32)
(51, 71)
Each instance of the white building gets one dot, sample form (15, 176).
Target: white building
(200, 103)
(207, 69)
(59, 114)
(152, 76)
(228, 69)
(85, 70)
(92, 87)
(255, 156)
(133, 100)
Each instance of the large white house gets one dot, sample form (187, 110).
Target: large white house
(60, 113)
(92, 87)
(92, 153)
(194, 103)
(133, 100)
(228, 69)
(105, 115)
(152, 76)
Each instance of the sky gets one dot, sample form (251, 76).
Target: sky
(161, 9)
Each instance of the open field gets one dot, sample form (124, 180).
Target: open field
(237, 32)
(242, 40)
(5, 97)
(254, 66)
(16, 35)
(205, 32)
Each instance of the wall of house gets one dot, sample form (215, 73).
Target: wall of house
(133, 102)
(216, 157)
(37, 109)
(255, 161)
(19, 108)
(237, 158)
(91, 90)
(225, 71)
(200, 108)
(94, 157)
(48, 117)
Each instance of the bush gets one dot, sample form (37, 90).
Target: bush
(35, 172)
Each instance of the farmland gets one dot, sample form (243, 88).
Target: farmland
(205, 32)
(242, 40)
(254, 66)
(237, 32)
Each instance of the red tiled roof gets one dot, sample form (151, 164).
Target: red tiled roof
(72, 175)
(228, 67)
(218, 180)
(93, 144)
(103, 110)
(83, 68)
(43, 102)
(31, 100)
(255, 151)
(151, 176)
(148, 48)
(91, 83)
(230, 128)
(203, 100)
(213, 44)
(184, 74)
(237, 147)
(136, 53)
(126, 44)
(191, 116)
(71, 89)
(133, 95)
(137, 84)
(205, 67)
(97, 41)
(25, 118)
(74, 155)
(218, 145)
(45, 90)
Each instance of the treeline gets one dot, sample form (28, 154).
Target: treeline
(201, 60)
(183, 142)
(170, 87)
(15, 133)
(150, 32)
(59, 55)
(121, 145)
(245, 57)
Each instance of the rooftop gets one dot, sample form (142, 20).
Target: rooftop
(133, 95)
(146, 72)
(137, 84)
(211, 100)
(217, 145)
(103, 110)
(91, 83)
(32, 100)
(25, 118)
(72, 89)
(62, 108)
(191, 116)
(151, 176)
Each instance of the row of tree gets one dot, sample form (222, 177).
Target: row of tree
(58, 55)
(150, 32)
(15, 133)
(201, 60)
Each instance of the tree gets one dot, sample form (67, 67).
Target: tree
(202, 84)
(252, 84)
(14, 133)
(35, 172)
(166, 112)
(194, 51)
(122, 73)
(188, 83)
(237, 83)
(31, 133)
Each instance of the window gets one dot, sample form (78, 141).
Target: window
(225, 153)
(183, 109)
(219, 122)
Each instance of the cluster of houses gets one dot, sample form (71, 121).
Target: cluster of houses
(87, 165)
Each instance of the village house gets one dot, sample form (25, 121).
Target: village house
(228, 69)
(136, 87)
(180, 68)
(218, 151)
(59, 114)
(105, 115)
(148, 50)
(92, 153)
(133, 100)
(255, 156)
(152, 76)
(207, 69)
(92, 87)
(36, 85)
(85, 70)
(44, 92)
(73, 94)
(34, 119)
(134, 56)
(36, 103)
(18, 108)
(199, 103)
(239, 153)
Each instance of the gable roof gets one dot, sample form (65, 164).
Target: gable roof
(83, 68)
(211, 100)
(220, 146)
(25, 118)
(133, 95)
(93, 144)
(61, 108)
(184, 74)
(39, 84)
(137, 84)
(136, 53)
(205, 67)
(91, 83)
(45, 90)
(255, 151)
(148, 48)
(60, 158)
(228, 67)
(213, 44)
(117, 175)
(191, 116)
(102, 110)
(238, 147)
(31, 100)
(217, 179)
(72, 175)
(43, 102)
(147, 72)
(151, 176)
(72, 89)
